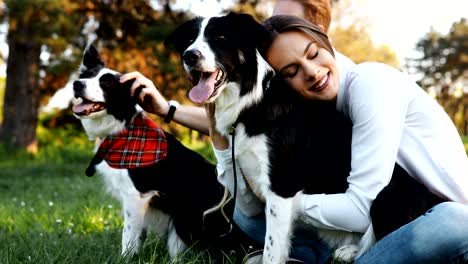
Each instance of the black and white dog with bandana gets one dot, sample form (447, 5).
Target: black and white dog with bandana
(163, 186)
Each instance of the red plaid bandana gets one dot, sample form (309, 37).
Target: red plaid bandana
(141, 144)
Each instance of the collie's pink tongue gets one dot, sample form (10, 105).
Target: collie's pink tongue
(205, 87)
(82, 107)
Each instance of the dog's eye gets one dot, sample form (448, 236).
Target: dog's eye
(220, 38)
(105, 84)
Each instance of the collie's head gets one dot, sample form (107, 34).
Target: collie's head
(219, 52)
(102, 103)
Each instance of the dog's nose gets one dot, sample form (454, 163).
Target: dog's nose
(78, 86)
(191, 57)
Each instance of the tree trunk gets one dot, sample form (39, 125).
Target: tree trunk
(21, 104)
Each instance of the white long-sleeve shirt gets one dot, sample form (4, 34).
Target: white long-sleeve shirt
(394, 120)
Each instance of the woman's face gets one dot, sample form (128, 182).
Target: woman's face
(308, 69)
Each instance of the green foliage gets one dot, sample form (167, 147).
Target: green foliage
(443, 66)
(443, 58)
(355, 42)
(2, 95)
(53, 24)
(349, 34)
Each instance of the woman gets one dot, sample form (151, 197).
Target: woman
(394, 120)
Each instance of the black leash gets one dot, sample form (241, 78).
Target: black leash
(233, 136)
(230, 219)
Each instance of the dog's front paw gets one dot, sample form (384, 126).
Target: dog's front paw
(346, 253)
(274, 256)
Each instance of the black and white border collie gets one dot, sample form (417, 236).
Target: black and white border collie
(281, 144)
(278, 144)
(169, 197)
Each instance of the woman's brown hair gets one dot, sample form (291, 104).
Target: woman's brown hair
(316, 11)
(276, 25)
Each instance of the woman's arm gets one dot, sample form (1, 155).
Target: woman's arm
(246, 200)
(377, 105)
(151, 100)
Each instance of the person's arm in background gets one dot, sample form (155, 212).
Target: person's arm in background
(151, 100)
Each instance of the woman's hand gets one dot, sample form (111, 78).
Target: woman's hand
(149, 98)
(219, 141)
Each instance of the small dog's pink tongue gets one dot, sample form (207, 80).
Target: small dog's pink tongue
(82, 107)
(204, 89)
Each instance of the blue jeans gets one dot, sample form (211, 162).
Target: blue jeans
(439, 236)
(306, 246)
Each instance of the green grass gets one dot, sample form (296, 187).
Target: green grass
(50, 212)
(2, 95)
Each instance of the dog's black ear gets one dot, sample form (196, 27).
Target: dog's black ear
(251, 28)
(91, 57)
(127, 85)
(184, 35)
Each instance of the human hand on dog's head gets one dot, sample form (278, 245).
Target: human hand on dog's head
(149, 98)
(220, 142)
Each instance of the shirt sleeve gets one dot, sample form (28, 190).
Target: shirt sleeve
(246, 199)
(377, 104)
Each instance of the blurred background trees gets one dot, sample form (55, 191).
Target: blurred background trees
(33, 27)
(443, 67)
(46, 39)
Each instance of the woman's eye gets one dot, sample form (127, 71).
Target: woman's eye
(290, 73)
(314, 55)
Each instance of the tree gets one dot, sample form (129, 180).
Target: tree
(355, 42)
(443, 66)
(350, 36)
(130, 34)
(32, 24)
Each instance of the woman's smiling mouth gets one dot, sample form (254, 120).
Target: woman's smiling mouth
(322, 84)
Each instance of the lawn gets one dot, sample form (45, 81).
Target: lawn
(50, 212)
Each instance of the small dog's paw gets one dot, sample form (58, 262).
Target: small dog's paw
(346, 253)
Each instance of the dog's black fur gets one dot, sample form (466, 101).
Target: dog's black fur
(186, 183)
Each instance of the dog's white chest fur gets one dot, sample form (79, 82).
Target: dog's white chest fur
(252, 155)
(117, 181)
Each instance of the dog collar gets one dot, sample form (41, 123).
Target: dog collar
(142, 143)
